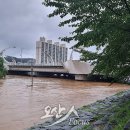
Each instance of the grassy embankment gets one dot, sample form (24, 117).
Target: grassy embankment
(118, 115)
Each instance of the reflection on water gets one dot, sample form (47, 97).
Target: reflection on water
(22, 107)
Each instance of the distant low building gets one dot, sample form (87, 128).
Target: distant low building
(48, 53)
(19, 61)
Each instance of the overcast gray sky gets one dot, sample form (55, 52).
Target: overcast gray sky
(22, 22)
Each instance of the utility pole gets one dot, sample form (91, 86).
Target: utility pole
(32, 75)
(71, 55)
(21, 55)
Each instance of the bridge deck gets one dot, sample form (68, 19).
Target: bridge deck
(28, 68)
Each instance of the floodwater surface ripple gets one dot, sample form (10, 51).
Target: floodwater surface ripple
(21, 106)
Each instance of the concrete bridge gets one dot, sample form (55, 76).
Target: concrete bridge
(28, 68)
(71, 69)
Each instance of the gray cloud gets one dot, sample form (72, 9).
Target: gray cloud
(22, 22)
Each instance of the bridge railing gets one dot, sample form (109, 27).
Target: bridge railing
(33, 65)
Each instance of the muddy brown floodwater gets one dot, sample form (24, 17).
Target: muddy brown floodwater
(22, 106)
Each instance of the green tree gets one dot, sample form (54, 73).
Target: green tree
(2, 69)
(104, 24)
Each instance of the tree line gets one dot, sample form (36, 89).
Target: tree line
(104, 24)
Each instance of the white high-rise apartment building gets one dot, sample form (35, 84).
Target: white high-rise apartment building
(48, 53)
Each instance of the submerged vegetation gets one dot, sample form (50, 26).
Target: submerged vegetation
(2, 68)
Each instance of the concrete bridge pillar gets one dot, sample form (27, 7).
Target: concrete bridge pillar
(80, 77)
(79, 69)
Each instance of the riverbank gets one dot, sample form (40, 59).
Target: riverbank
(112, 113)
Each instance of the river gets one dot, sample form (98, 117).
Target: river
(21, 106)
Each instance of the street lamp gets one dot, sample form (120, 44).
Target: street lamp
(79, 49)
(1, 55)
(2, 52)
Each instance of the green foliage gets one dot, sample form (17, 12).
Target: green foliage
(2, 69)
(101, 23)
(121, 117)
